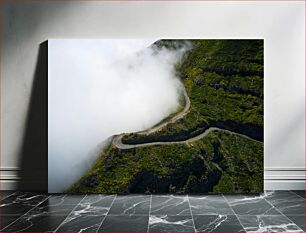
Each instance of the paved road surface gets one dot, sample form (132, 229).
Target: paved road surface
(117, 140)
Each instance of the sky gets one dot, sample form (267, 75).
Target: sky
(98, 88)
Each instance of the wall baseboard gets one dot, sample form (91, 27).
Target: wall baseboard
(275, 178)
(284, 178)
(10, 179)
(284, 184)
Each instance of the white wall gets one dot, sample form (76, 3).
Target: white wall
(281, 24)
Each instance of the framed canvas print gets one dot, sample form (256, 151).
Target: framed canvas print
(155, 115)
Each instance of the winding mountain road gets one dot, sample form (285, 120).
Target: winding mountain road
(117, 139)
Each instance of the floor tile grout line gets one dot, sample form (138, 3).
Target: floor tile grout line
(106, 213)
(149, 212)
(151, 196)
(226, 201)
(25, 213)
(297, 195)
(69, 213)
(283, 214)
(191, 214)
(234, 213)
(8, 196)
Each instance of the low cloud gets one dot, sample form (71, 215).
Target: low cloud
(98, 88)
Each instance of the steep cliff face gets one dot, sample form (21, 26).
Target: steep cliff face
(224, 81)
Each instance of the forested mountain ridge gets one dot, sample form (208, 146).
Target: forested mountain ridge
(224, 81)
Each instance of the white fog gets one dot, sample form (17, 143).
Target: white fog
(98, 88)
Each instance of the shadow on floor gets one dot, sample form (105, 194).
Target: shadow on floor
(34, 153)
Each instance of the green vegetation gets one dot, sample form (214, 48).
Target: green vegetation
(179, 168)
(224, 81)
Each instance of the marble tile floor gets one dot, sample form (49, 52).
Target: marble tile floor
(272, 211)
